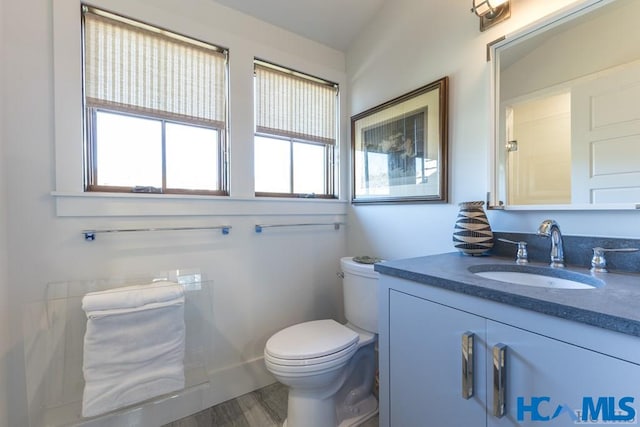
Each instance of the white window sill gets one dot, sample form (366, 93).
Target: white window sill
(71, 204)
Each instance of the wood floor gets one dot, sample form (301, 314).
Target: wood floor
(266, 407)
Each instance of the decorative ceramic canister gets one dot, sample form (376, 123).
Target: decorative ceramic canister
(472, 234)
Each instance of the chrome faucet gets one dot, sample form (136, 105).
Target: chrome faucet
(550, 228)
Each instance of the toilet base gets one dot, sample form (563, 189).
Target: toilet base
(344, 400)
(367, 409)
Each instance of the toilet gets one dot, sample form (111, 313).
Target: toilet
(330, 367)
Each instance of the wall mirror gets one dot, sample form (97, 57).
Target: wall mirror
(567, 111)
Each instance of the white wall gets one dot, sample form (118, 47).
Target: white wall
(259, 282)
(412, 43)
(4, 300)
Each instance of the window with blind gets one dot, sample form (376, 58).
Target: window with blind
(155, 106)
(296, 133)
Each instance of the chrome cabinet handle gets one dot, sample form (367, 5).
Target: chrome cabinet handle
(467, 365)
(499, 380)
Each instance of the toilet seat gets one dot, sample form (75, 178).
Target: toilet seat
(319, 344)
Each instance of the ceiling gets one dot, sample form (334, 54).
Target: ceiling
(334, 23)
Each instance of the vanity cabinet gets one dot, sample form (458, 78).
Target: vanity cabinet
(552, 377)
(544, 380)
(425, 364)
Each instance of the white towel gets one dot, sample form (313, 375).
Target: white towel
(132, 296)
(133, 347)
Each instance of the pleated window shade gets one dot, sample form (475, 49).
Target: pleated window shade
(138, 68)
(292, 106)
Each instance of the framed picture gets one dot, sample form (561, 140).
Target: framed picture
(399, 148)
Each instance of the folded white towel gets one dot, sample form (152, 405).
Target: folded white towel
(134, 351)
(132, 296)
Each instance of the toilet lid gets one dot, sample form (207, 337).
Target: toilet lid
(311, 339)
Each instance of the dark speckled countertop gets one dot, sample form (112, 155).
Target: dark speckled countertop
(614, 306)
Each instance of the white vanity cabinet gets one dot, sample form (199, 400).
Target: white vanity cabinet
(544, 373)
(425, 379)
(552, 377)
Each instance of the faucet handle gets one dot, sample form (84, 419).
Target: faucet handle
(522, 257)
(599, 262)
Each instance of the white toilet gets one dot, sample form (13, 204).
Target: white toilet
(329, 367)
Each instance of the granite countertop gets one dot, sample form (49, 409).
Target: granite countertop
(614, 306)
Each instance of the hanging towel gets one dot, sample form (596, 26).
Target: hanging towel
(134, 345)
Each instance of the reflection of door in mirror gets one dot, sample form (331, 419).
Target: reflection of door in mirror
(539, 155)
(606, 143)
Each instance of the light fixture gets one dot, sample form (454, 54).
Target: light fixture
(491, 12)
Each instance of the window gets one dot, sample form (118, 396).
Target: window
(155, 107)
(296, 132)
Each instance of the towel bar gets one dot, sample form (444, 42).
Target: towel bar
(90, 235)
(336, 225)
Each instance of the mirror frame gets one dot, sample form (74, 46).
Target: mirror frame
(496, 152)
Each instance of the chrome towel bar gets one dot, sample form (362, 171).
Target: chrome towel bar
(336, 225)
(90, 235)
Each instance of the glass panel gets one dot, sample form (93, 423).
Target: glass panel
(272, 165)
(192, 157)
(375, 166)
(128, 150)
(308, 168)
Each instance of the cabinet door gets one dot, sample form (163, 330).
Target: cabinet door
(552, 383)
(425, 358)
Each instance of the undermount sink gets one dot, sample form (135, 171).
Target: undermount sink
(542, 277)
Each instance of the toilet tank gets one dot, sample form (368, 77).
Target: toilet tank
(360, 289)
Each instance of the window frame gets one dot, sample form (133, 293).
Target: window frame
(331, 168)
(90, 174)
